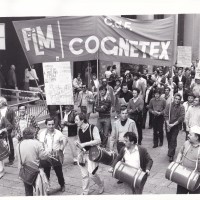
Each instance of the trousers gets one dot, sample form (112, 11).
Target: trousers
(89, 172)
(158, 122)
(172, 140)
(59, 174)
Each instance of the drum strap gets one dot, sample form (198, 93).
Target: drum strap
(192, 174)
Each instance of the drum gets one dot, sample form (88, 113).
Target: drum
(136, 178)
(183, 176)
(4, 150)
(98, 154)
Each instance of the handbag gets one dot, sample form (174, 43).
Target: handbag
(27, 174)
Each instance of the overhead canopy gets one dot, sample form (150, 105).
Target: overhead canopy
(109, 38)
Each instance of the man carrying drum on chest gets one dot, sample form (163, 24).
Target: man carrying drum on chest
(88, 136)
(53, 142)
(189, 155)
(134, 156)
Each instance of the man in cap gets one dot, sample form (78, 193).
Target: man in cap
(188, 156)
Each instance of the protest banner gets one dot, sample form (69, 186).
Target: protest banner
(58, 83)
(109, 38)
(184, 56)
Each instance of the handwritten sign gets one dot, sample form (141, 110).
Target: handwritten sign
(184, 57)
(58, 83)
(197, 72)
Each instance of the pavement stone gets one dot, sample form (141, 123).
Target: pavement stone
(10, 185)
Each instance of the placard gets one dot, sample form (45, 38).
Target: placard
(197, 72)
(58, 83)
(184, 57)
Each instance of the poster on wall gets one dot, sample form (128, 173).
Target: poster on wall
(184, 57)
(58, 83)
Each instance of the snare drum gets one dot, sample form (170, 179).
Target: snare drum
(4, 150)
(183, 176)
(136, 178)
(98, 154)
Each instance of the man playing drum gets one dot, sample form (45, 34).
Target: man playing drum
(135, 156)
(88, 136)
(188, 155)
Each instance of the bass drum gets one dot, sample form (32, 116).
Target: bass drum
(136, 178)
(183, 176)
(98, 154)
(4, 150)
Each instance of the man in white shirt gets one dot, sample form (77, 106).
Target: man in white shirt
(53, 142)
(135, 156)
(108, 72)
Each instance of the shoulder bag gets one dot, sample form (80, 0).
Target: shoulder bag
(27, 173)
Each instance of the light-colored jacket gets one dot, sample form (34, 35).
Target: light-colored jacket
(90, 100)
(130, 126)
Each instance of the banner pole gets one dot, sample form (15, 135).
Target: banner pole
(61, 114)
(98, 77)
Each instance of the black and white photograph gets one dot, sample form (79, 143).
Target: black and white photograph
(98, 102)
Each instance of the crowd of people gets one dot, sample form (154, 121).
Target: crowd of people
(167, 99)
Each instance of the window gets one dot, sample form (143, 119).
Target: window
(2, 37)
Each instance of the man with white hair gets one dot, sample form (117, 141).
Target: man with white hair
(189, 154)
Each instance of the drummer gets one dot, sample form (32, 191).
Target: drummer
(188, 155)
(88, 135)
(135, 156)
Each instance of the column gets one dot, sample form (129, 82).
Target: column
(192, 33)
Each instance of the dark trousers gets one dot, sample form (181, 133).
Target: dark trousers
(158, 122)
(104, 126)
(172, 140)
(145, 110)
(59, 174)
(28, 189)
(12, 153)
(139, 129)
(120, 145)
(182, 190)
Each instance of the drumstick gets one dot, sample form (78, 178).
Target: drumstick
(78, 145)
(53, 158)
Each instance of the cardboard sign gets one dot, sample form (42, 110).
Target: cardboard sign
(197, 72)
(184, 57)
(58, 83)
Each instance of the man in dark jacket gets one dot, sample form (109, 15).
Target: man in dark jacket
(103, 106)
(69, 130)
(9, 114)
(135, 156)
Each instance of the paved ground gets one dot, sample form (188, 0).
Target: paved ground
(10, 185)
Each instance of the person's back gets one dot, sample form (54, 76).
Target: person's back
(31, 152)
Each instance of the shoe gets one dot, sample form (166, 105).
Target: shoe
(171, 159)
(75, 163)
(1, 176)
(155, 146)
(119, 182)
(161, 144)
(9, 163)
(84, 193)
(101, 188)
(62, 188)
